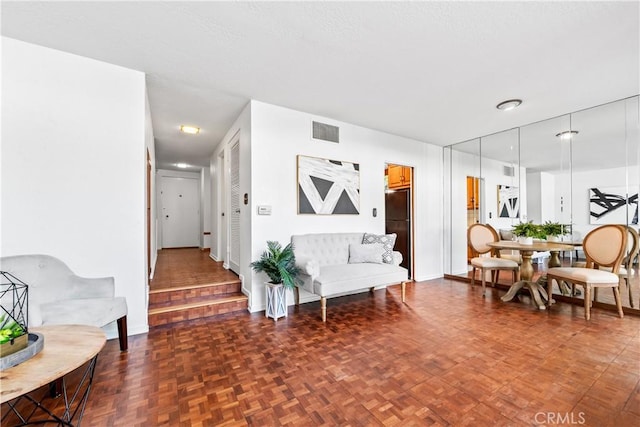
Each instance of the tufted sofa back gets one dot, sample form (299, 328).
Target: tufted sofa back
(326, 248)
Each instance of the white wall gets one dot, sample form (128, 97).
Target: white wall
(541, 198)
(278, 135)
(73, 166)
(240, 130)
(150, 146)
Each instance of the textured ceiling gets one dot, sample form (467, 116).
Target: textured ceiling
(432, 71)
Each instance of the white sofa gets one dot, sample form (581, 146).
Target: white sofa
(325, 269)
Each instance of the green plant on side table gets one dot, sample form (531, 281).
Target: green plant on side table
(280, 265)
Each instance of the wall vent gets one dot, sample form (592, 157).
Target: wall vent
(325, 132)
(509, 171)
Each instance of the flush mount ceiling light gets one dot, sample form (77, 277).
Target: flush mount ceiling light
(509, 104)
(182, 165)
(567, 134)
(192, 130)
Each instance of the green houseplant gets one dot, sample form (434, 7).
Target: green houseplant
(526, 231)
(552, 230)
(279, 264)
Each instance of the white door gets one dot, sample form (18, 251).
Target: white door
(234, 207)
(180, 212)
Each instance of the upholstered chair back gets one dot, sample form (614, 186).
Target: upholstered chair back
(605, 246)
(478, 235)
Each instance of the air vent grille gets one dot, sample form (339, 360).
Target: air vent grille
(509, 171)
(325, 132)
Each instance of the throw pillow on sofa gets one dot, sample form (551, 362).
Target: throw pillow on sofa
(365, 253)
(388, 241)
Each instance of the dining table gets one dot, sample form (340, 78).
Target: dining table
(537, 290)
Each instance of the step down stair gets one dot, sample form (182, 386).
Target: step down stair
(188, 302)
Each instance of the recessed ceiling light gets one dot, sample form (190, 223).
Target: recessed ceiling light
(182, 165)
(190, 129)
(509, 104)
(567, 134)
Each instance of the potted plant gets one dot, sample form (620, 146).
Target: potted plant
(552, 231)
(280, 265)
(526, 231)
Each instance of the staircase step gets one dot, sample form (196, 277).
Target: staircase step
(201, 308)
(189, 293)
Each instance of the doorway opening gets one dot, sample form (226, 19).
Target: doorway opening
(399, 189)
(180, 198)
(473, 206)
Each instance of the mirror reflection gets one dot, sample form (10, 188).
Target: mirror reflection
(575, 172)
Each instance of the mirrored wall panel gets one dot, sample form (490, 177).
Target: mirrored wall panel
(576, 171)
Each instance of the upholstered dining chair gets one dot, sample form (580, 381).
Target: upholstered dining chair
(604, 248)
(487, 258)
(626, 271)
(57, 296)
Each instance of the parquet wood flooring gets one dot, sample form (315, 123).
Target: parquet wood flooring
(188, 285)
(186, 267)
(448, 357)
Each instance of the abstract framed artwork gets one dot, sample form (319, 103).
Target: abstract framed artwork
(508, 202)
(607, 205)
(328, 187)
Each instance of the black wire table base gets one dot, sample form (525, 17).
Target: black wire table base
(32, 411)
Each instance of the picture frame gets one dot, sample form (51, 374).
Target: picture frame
(508, 201)
(612, 205)
(328, 187)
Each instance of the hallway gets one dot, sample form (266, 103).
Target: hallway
(189, 285)
(187, 266)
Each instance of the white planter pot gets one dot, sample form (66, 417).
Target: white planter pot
(276, 300)
(525, 240)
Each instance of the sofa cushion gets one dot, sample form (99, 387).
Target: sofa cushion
(388, 241)
(335, 279)
(360, 253)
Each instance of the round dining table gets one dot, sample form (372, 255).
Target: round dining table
(538, 291)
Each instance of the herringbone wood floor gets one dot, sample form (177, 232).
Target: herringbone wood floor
(446, 357)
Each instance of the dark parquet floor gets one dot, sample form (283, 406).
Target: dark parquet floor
(448, 357)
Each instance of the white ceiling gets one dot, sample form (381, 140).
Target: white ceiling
(432, 71)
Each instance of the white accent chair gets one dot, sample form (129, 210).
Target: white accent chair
(604, 248)
(57, 296)
(488, 258)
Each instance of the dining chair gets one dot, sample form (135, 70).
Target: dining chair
(604, 248)
(487, 258)
(626, 271)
